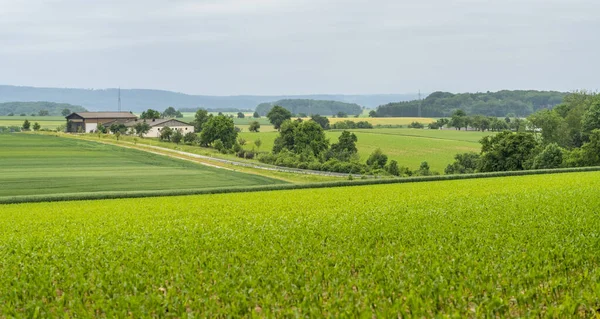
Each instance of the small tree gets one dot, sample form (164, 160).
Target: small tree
(372, 113)
(65, 112)
(393, 168)
(26, 125)
(190, 138)
(278, 115)
(377, 159)
(258, 143)
(101, 128)
(423, 169)
(240, 115)
(254, 126)
(241, 141)
(177, 137)
(150, 114)
(323, 121)
(166, 133)
(200, 119)
(256, 115)
(118, 135)
(141, 128)
(36, 126)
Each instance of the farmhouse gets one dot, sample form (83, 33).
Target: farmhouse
(156, 125)
(87, 122)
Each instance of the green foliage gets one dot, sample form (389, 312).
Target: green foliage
(465, 163)
(101, 128)
(177, 136)
(36, 126)
(48, 108)
(150, 114)
(507, 151)
(256, 115)
(221, 128)
(341, 114)
(550, 157)
(171, 112)
(591, 118)
(591, 150)
(277, 115)
(254, 127)
(26, 125)
(311, 107)
(458, 120)
(165, 134)
(321, 120)
(372, 113)
(200, 118)
(240, 115)
(551, 124)
(392, 168)
(141, 128)
(121, 128)
(377, 159)
(258, 143)
(441, 104)
(345, 149)
(190, 138)
(349, 125)
(43, 113)
(416, 125)
(301, 136)
(65, 112)
(438, 124)
(424, 170)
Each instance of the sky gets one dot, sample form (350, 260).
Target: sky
(273, 47)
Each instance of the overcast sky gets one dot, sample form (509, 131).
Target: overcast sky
(229, 47)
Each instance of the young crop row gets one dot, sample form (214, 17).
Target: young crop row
(521, 246)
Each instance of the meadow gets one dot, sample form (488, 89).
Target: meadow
(501, 247)
(409, 147)
(46, 122)
(35, 164)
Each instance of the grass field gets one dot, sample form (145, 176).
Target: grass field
(46, 122)
(407, 146)
(501, 247)
(44, 164)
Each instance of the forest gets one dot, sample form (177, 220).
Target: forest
(308, 107)
(500, 104)
(37, 108)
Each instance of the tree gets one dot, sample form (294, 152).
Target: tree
(507, 151)
(240, 115)
(550, 157)
(465, 163)
(377, 159)
(254, 126)
(241, 141)
(424, 170)
(458, 119)
(219, 127)
(278, 115)
(165, 134)
(177, 136)
(591, 119)
(342, 114)
(150, 114)
(393, 168)
(190, 138)
(372, 113)
(36, 126)
(301, 136)
(321, 120)
(43, 113)
(65, 112)
(258, 143)
(101, 129)
(141, 128)
(256, 115)
(345, 148)
(121, 128)
(26, 125)
(171, 112)
(591, 150)
(200, 118)
(552, 126)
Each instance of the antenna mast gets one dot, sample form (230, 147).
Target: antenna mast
(119, 99)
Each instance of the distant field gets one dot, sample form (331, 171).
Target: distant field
(44, 164)
(409, 147)
(511, 247)
(385, 120)
(48, 122)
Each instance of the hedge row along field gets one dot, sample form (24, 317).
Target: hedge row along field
(521, 246)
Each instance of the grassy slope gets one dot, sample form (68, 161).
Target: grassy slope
(515, 246)
(407, 146)
(43, 164)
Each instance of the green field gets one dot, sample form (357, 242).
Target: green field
(46, 122)
(501, 247)
(409, 147)
(45, 164)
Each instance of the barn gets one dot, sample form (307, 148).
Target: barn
(87, 122)
(156, 125)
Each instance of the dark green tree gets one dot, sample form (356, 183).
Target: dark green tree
(65, 112)
(392, 168)
(171, 112)
(465, 163)
(256, 115)
(141, 128)
(150, 114)
(550, 157)
(254, 126)
(177, 136)
(372, 113)
(240, 115)
(114, 128)
(551, 124)
(36, 126)
(377, 159)
(301, 136)
(200, 118)
(219, 127)
(322, 120)
(26, 125)
(507, 151)
(345, 148)
(278, 115)
(190, 138)
(101, 128)
(166, 133)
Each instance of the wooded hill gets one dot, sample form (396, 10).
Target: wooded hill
(501, 103)
(28, 108)
(307, 106)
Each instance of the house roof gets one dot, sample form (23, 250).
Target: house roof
(159, 122)
(103, 115)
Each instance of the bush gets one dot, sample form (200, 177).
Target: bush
(416, 125)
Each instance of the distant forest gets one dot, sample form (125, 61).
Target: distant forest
(46, 108)
(440, 104)
(307, 106)
(138, 100)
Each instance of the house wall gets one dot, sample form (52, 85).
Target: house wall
(155, 131)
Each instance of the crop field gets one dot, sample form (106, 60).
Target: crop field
(46, 122)
(500, 247)
(44, 164)
(409, 147)
(385, 120)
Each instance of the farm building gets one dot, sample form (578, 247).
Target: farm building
(86, 122)
(156, 125)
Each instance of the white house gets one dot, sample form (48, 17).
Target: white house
(156, 125)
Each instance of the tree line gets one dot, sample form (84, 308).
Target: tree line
(310, 107)
(38, 109)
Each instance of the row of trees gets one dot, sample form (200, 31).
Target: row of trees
(169, 112)
(566, 136)
(27, 126)
(309, 107)
(278, 114)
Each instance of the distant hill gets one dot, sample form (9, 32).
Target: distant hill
(501, 103)
(307, 106)
(54, 109)
(138, 100)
